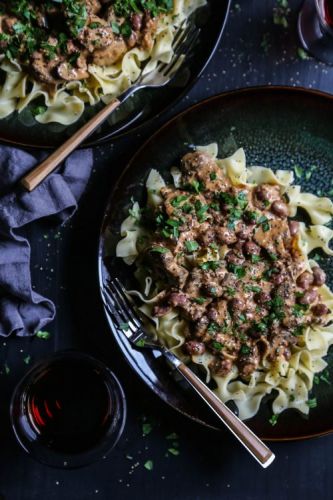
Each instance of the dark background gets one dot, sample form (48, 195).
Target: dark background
(254, 51)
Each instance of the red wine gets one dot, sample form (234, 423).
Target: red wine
(69, 406)
(327, 10)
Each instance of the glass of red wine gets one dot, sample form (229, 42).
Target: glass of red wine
(315, 28)
(69, 410)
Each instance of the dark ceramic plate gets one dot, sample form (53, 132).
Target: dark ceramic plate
(278, 127)
(147, 104)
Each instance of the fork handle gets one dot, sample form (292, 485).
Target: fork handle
(38, 174)
(245, 436)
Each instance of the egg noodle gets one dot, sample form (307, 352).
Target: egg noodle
(289, 379)
(66, 104)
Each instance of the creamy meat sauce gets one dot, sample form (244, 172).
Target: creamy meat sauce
(228, 259)
(57, 40)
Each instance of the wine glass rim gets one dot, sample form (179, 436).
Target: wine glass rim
(323, 22)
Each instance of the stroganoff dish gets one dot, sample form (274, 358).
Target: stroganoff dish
(62, 54)
(226, 278)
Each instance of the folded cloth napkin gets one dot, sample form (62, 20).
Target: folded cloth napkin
(23, 311)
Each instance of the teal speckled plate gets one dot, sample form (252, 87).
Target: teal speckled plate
(279, 127)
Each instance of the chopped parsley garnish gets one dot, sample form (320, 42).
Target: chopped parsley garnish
(273, 420)
(191, 246)
(43, 335)
(140, 343)
(93, 26)
(245, 349)
(298, 331)
(309, 172)
(217, 345)
(234, 216)
(260, 326)
(178, 200)
(27, 359)
(252, 288)
(251, 216)
(213, 176)
(267, 275)
(214, 206)
(172, 436)
(299, 309)
(174, 451)
(201, 211)
(239, 271)
(38, 110)
(236, 205)
(323, 377)
(187, 208)
(276, 302)
(230, 291)
(312, 403)
(210, 265)
(213, 327)
(298, 171)
(149, 465)
(264, 222)
(241, 200)
(173, 222)
(159, 250)
(255, 258)
(146, 428)
(197, 186)
(199, 300)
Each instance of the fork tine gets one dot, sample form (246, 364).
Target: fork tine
(109, 304)
(180, 31)
(129, 303)
(127, 308)
(180, 37)
(121, 310)
(182, 34)
(187, 44)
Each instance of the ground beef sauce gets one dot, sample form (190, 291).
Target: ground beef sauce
(230, 262)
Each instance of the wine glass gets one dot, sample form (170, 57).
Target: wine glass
(315, 29)
(69, 410)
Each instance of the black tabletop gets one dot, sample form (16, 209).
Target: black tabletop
(254, 51)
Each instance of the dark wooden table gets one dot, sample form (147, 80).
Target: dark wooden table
(254, 51)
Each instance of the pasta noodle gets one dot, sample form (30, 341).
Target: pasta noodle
(288, 379)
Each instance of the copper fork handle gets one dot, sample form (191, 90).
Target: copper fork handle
(240, 430)
(38, 174)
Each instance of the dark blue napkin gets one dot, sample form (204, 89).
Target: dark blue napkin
(23, 311)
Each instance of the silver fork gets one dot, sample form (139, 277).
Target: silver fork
(126, 319)
(184, 40)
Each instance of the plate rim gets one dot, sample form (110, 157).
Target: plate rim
(137, 128)
(273, 89)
